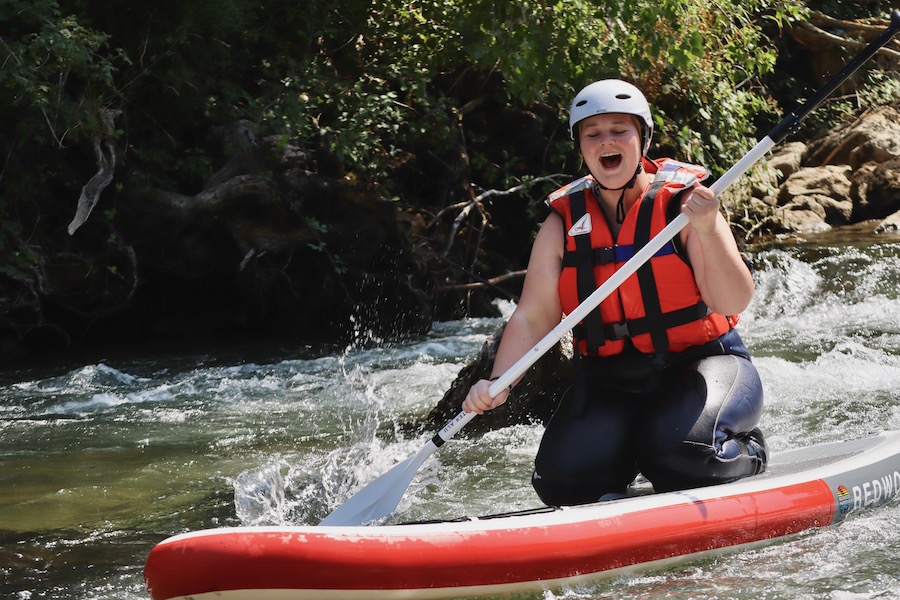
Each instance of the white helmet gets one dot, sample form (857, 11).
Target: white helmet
(611, 96)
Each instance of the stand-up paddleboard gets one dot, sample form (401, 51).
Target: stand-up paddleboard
(529, 550)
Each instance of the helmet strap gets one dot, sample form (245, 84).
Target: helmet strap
(620, 208)
(620, 205)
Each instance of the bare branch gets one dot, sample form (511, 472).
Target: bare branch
(476, 204)
(520, 187)
(493, 281)
(106, 165)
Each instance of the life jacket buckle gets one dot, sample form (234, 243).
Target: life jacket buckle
(604, 256)
(619, 331)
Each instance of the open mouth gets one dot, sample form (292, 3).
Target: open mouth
(610, 161)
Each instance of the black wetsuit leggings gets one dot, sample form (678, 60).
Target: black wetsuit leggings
(688, 424)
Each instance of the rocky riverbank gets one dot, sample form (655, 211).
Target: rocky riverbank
(848, 177)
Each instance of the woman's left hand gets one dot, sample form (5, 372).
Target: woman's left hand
(701, 207)
(722, 276)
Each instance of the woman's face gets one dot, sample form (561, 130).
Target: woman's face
(611, 147)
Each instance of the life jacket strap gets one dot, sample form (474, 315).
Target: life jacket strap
(614, 254)
(657, 321)
(634, 327)
(584, 269)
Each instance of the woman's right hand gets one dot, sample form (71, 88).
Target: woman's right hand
(479, 400)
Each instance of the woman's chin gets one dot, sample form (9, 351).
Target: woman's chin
(611, 181)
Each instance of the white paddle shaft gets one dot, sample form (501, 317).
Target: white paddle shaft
(608, 287)
(381, 497)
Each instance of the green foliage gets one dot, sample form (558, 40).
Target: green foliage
(434, 91)
(357, 78)
(702, 65)
(57, 72)
(694, 60)
(364, 83)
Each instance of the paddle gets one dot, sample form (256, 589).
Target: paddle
(381, 497)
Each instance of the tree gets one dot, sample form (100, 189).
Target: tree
(429, 102)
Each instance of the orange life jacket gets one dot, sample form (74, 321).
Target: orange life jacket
(659, 308)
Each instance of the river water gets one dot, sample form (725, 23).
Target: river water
(102, 459)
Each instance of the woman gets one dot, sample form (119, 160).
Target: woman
(663, 383)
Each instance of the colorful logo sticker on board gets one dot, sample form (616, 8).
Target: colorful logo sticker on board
(845, 503)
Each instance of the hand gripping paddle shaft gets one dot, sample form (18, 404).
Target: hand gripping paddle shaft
(381, 497)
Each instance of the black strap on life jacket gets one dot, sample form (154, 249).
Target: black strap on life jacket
(614, 254)
(647, 282)
(656, 323)
(592, 324)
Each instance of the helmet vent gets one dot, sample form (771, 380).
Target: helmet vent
(581, 103)
(623, 96)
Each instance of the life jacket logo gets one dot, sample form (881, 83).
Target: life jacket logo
(582, 226)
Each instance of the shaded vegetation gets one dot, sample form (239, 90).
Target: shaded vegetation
(428, 103)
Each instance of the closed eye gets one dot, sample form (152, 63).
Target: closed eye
(592, 134)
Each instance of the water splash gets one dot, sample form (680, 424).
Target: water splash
(147, 446)
(804, 306)
(259, 497)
